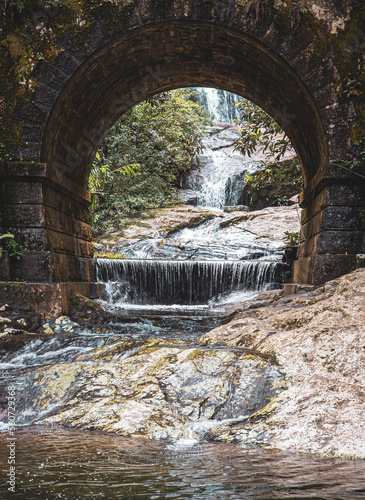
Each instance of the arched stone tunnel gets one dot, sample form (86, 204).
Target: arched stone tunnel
(291, 62)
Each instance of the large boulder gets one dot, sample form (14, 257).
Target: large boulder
(318, 338)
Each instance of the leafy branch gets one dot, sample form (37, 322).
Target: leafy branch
(9, 243)
(258, 130)
(99, 175)
(292, 239)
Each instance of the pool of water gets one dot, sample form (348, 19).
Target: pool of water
(55, 463)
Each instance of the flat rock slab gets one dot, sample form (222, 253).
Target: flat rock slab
(318, 338)
(155, 389)
(270, 224)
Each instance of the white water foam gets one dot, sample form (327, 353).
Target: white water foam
(197, 430)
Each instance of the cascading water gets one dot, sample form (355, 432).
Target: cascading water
(182, 282)
(219, 177)
(220, 103)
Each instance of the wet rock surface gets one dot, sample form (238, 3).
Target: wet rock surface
(156, 391)
(16, 321)
(193, 233)
(287, 372)
(219, 177)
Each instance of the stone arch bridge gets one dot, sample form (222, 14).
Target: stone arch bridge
(70, 69)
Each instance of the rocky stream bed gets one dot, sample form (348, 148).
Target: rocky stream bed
(282, 371)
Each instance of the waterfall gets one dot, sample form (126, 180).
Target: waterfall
(181, 282)
(219, 177)
(220, 103)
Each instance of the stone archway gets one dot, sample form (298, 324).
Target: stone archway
(284, 60)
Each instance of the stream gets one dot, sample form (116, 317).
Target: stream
(71, 464)
(142, 407)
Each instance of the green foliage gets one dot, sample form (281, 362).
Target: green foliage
(352, 87)
(100, 175)
(359, 159)
(259, 131)
(9, 243)
(279, 182)
(292, 239)
(140, 160)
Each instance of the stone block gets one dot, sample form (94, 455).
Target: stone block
(335, 218)
(83, 230)
(15, 170)
(58, 221)
(33, 216)
(67, 63)
(17, 216)
(28, 150)
(81, 212)
(44, 97)
(345, 217)
(332, 218)
(339, 242)
(318, 269)
(54, 80)
(33, 239)
(51, 300)
(72, 268)
(32, 132)
(58, 200)
(302, 271)
(87, 269)
(22, 192)
(65, 268)
(58, 242)
(4, 266)
(28, 112)
(84, 248)
(41, 239)
(32, 266)
(334, 196)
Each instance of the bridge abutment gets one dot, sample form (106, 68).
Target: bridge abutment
(333, 225)
(48, 215)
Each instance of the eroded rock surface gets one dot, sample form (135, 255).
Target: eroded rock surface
(156, 390)
(286, 372)
(319, 339)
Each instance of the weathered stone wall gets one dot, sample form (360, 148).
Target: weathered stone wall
(69, 71)
(49, 216)
(333, 221)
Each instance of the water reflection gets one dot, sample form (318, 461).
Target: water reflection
(70, 464)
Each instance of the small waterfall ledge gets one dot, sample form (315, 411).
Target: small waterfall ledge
(169, 282)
